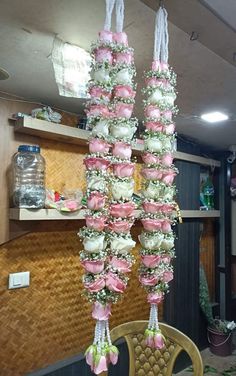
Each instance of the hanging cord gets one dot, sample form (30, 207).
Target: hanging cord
(119, 15)
(161, 37)
(109, 9)
(165, 50)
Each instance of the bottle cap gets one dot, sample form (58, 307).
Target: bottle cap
(29, 148)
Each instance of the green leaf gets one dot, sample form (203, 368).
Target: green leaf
(208, 369)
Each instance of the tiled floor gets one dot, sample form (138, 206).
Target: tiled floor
(218, 362)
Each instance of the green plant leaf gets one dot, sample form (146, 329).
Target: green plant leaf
(210, 369)
(228, 372)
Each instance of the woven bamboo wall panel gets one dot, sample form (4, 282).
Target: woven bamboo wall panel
(50, 321)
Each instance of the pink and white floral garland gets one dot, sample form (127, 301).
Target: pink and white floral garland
(106, 237)
(157, 238)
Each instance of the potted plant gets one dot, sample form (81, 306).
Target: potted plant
(219, 332)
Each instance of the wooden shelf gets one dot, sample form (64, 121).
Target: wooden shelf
(54, 215)
(64, 133)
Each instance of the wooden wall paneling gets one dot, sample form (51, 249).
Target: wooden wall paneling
(207, 253)
(182, 305)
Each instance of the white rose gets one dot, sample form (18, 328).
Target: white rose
(167, 144)
(121, 131)
(170, 98)
(101, 128)
(155, 97)
(231, 325)
(152, 191)
(153, 144)
(167, 244)
(101, 75)
(122, 189)
(96, 183)
(122, 245)
(151, 242)
(94, 244)
(124, 77)
(168, 193)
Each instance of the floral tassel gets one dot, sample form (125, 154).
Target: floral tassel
(106, 237)
(157, 238)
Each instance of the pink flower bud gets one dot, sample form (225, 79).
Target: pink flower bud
(93, 266)
(152, 207)
(124, 58)
(151, 261)
(122, 150)
(148, 280)
(150, 158)
(114, 283)
(105, 36)
(154, 126)
(95, 286)
(96, 201)
(151, 173)
(152, 111)
(120, 226)
(122, 210)
(96, 223)
(124, 110)
(96, 163)
(98, 146)
(152, 224)
(103, 54)
(120, 38)
(155, 297)
(123, 170)
(124, 91)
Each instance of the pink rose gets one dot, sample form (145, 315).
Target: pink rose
(167, 276)
(152, 111)
(113, 354)
(101, 312)
(94, 266)
(122, 210)
(166, 226)
(151, 261)
(164, 66)
(114, 283)
(124, 110)
(158, 339)
(120, 226)
(168, 208)
(96, 201)
(95, 286)
(152, 81)
(100, 366)
(152, 224)
(122, 150)
(121, 265)
(98, 110)
(148, 280)
(156, 65)
(151, 173)
(167, 159)
(105, 36)
(168, 177)
(98, 146)
(152, 207)
(96, 163)
(150, 158)
(166, 259)
(149, 341)
(154, 126)
(169, 129)
(124, 58)
(99, 93)
(124, 91)
(120, 38)
(155, 297)
(103, 54)
(123, 170)
(167, 115)
(96, 223)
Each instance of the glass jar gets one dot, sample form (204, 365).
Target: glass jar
(28, 167)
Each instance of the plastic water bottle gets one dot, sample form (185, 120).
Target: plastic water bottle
(208, 194)
(29, 167)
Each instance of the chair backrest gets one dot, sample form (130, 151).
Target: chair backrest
(144, 361)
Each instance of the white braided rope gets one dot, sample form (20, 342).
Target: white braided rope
(119, 15)
(109, 9)
(161, 37)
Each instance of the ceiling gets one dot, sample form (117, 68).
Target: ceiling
(205, 67)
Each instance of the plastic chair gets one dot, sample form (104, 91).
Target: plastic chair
(145, 361)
